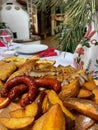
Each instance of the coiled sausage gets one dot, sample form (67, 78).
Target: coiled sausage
(17, 91)
(20, 84)
(27, 80)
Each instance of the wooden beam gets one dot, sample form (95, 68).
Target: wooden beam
(22, 2)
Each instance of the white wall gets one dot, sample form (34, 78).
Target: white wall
(16, 19)
(3, 1)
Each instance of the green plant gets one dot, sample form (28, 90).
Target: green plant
(77, 14)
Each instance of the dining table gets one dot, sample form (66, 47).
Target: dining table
(61, 57)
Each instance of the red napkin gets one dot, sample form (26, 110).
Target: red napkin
(1, 44)
(47, 53)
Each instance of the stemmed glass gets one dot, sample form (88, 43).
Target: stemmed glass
(6, 37)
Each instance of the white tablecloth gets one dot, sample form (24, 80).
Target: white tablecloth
(62, 58)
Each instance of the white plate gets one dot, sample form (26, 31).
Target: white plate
(29, 43)
(31, 49)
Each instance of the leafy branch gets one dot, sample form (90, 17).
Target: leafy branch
(77, 14)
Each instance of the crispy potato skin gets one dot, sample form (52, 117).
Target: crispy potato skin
(83, 122)
(51, 120)
(95, 92)
(85, 94)
(16, 123)
(29, 110)
(86, 107)
(4, 102)
(71, 90)
(54, 99)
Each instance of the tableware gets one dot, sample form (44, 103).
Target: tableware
(31, 49)
(10, 53)
(6, 37)
(29, 42)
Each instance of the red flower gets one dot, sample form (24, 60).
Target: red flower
(78, 65)
(81, 64)
(75, 63)
(80, 51)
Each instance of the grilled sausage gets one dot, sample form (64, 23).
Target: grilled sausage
(32, 93)
(20, 84)
(49, 83)
(17, 91)
(27, 80)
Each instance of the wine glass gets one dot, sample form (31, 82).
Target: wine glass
(6, 37)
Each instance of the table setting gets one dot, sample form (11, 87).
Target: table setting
(38, 49)
(31, 48)
(42, 88)
(59, 81)
(51, 72)
(50, 67)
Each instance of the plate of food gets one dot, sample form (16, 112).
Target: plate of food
(25, 93)
(31, 49)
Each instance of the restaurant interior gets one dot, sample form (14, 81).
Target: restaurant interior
(32, 25)
(58, 24)
(48, 64)
(37, 22)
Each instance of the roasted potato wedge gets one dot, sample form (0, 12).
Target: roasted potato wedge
(83, 122)
(54, 99)
(96, 82)
(16, 123)
(53, 119)
(38, 124)
(4, 102)
(85, 93)
(45, 104)
(90, 85)
(93, 127)
(29, 110)
(84, 106)
(95, 92)
(71, 90)
(3, 127)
